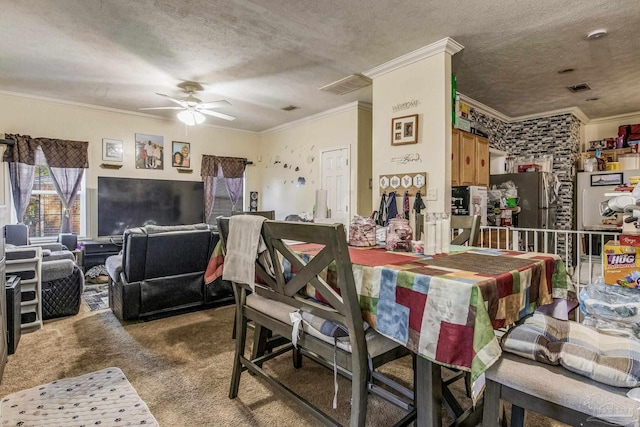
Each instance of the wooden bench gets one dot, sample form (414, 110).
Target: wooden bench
(554, 392)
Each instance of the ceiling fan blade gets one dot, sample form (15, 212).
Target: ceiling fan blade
(216, 114)
(215, 104)
(177, 101)
(162, 108)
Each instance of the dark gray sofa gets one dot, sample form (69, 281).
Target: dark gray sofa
(161, 269)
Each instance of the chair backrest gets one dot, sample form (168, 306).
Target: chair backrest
(16, 234)
(469, 229)
(223, 229)
(341, 296)
(266, 214)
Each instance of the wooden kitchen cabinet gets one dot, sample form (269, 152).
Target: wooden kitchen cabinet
(469, 159)
(482, 161)
(455, 157)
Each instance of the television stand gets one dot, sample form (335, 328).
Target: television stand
(96, 253)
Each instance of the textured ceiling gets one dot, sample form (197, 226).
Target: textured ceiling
(264, 55)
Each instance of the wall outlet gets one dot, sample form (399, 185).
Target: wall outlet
(432, 194)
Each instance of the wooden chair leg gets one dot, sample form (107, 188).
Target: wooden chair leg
(261, 337)
(241, 342)
(492, 412)
(297, 358)
(517, 416)
(237, 365)
(359, 392)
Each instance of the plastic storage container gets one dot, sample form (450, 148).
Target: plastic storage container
(399, 235)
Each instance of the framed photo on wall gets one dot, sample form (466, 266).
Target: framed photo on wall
(607, 179)
(404, 130)
(181, 154)
(149, 151)
(111, 150)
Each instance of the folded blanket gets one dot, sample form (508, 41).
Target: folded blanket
(608, 359)
(215, 265)
(244, 245)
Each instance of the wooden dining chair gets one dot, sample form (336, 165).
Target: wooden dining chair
(266, 214)
(466, 230)
(263, 339)
(348, 348)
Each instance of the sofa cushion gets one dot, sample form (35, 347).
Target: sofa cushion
(376, 343)
(57, 269)
(605, 358)
(155, 229)
(558, 385)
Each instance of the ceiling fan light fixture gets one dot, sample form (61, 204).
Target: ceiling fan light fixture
(190, 117)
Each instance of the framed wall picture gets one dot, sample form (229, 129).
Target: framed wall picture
(111, 150)
(404, 130)
(181, 154)
(605, 179)
(149, 151)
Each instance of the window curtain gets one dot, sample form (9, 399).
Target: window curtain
(66, 161)
(232, 169)
(209, 173)
(21, 158)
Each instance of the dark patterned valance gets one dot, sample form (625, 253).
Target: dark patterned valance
(232, 167)
(209, 167)
(23, 151)
(59, 153)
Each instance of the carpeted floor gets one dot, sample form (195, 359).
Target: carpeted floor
(180, 366)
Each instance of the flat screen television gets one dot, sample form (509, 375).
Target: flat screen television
(132, 202)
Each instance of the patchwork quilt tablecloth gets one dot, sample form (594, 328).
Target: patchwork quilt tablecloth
(446, 307)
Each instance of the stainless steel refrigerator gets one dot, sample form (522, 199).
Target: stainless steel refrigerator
(538, 197)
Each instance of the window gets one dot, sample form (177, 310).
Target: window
(44, 213)
(222, 202)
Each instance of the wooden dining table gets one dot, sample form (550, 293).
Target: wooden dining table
(445, 308)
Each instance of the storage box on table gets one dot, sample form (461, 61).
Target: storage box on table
(630, 239)
(621, 265)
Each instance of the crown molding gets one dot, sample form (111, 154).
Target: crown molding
(484, 109)
(111, 110)
(614, 118)
(319, 116)
(447, 45)
(576, 111)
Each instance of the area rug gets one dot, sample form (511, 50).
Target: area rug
(98, 398)
(96, 297)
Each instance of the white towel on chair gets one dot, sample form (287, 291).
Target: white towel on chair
(244, 244)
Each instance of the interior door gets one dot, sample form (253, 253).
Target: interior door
(336, 173)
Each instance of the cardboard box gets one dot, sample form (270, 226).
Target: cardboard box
(621, 265)
(630, 239)
(463, 124)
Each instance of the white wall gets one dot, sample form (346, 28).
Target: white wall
(429, 82)
(607, 127)
(46, 118)
(298, 145)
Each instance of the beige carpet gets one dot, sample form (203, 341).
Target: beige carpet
(180, 366)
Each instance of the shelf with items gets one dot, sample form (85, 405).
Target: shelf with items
(26, 263)
(609, 155)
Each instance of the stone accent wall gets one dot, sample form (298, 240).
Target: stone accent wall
(556, 135)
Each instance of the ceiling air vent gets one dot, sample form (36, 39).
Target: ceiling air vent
(290, 108)
(581, 87)
(348, 84)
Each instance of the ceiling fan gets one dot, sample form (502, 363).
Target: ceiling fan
(193, 109)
